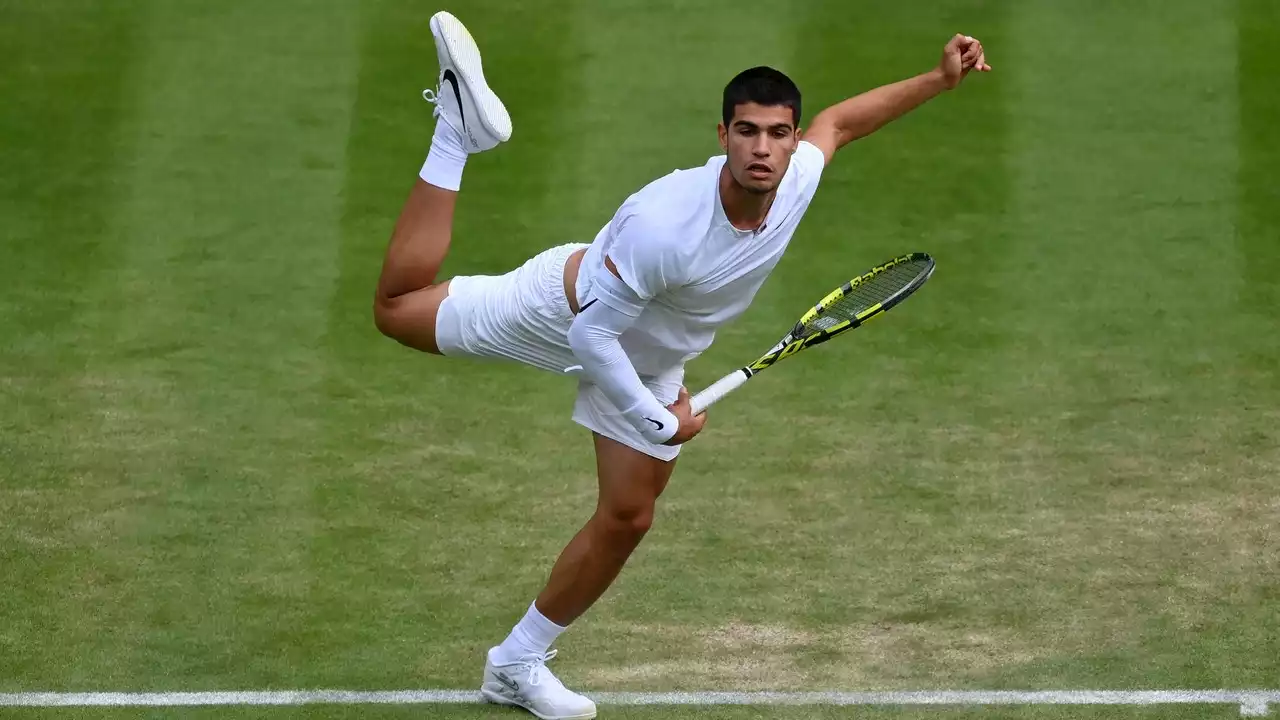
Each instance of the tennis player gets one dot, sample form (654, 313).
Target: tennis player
(680, 258)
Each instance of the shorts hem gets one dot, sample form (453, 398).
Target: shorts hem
(665, 453)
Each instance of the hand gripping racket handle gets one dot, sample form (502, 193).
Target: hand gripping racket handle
(722, 387)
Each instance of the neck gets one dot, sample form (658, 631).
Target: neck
(745, 210)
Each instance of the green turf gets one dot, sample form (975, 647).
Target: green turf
(1053, 468)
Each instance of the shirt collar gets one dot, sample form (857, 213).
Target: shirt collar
(722, 219)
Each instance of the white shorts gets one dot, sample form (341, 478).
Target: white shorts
(525, 316)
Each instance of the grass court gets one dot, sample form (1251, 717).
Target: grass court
(1055, 467)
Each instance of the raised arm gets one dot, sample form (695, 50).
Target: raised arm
(861, 115)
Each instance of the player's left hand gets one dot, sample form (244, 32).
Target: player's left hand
(962, 55)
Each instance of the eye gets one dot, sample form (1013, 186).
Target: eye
(780, 133)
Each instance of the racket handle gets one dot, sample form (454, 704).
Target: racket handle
(722, 387)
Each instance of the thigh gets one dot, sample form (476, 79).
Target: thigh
(594, 411)
(521, 316)
(628, 478)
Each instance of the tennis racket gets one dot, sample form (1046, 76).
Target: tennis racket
(845, 308)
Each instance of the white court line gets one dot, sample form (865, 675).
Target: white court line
(1253, 703)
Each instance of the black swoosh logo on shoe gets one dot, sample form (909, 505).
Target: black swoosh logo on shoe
(512, 684)
(453, 80)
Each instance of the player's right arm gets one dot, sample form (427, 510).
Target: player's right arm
(619, 295)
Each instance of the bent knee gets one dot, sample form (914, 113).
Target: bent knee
(410, 321)
(384, 317)
(387, 317)
(631, 521)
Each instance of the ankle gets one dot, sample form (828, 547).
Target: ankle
(533, 635)
(446, 159)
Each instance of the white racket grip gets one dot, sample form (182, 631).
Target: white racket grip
(722, 387)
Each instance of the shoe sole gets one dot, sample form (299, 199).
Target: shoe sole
(497, 699)
(465, 55)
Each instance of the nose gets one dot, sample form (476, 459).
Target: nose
(760, 148)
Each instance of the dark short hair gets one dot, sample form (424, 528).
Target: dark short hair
(763, 86)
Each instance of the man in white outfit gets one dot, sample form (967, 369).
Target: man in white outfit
(624, 313)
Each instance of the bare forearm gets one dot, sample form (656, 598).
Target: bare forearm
(863, 114)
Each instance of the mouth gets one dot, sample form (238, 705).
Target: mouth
(759, 171)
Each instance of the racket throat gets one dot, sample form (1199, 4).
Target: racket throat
(775, 354)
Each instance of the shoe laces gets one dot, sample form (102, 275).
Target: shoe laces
(537, 664)
(433, 97)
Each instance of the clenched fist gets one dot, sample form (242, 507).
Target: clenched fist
(961, 55)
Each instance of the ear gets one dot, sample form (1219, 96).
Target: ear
(724, 136)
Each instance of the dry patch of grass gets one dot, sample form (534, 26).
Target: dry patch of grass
(747, 656)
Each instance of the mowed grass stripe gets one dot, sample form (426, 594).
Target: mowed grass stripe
(1140, 536)
(1258, 235)
(66, 97)
(71, 79)
(1258, 374)
(453, 493)
(255, 259)
(203, 351)
(1258, 224)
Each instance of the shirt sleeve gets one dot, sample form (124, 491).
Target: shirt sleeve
(593, 337)
(809, 163)
(646, 261)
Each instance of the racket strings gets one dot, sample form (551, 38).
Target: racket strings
(867, 294)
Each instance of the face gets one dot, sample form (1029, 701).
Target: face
(759, 142)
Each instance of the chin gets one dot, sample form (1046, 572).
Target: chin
(756, 187)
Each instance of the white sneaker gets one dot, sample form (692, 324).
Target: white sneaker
(530, 685)
(462, 97)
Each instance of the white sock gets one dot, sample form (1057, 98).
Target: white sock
(533, 635)
(446, 158)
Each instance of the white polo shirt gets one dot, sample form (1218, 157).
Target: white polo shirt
(674, 247)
